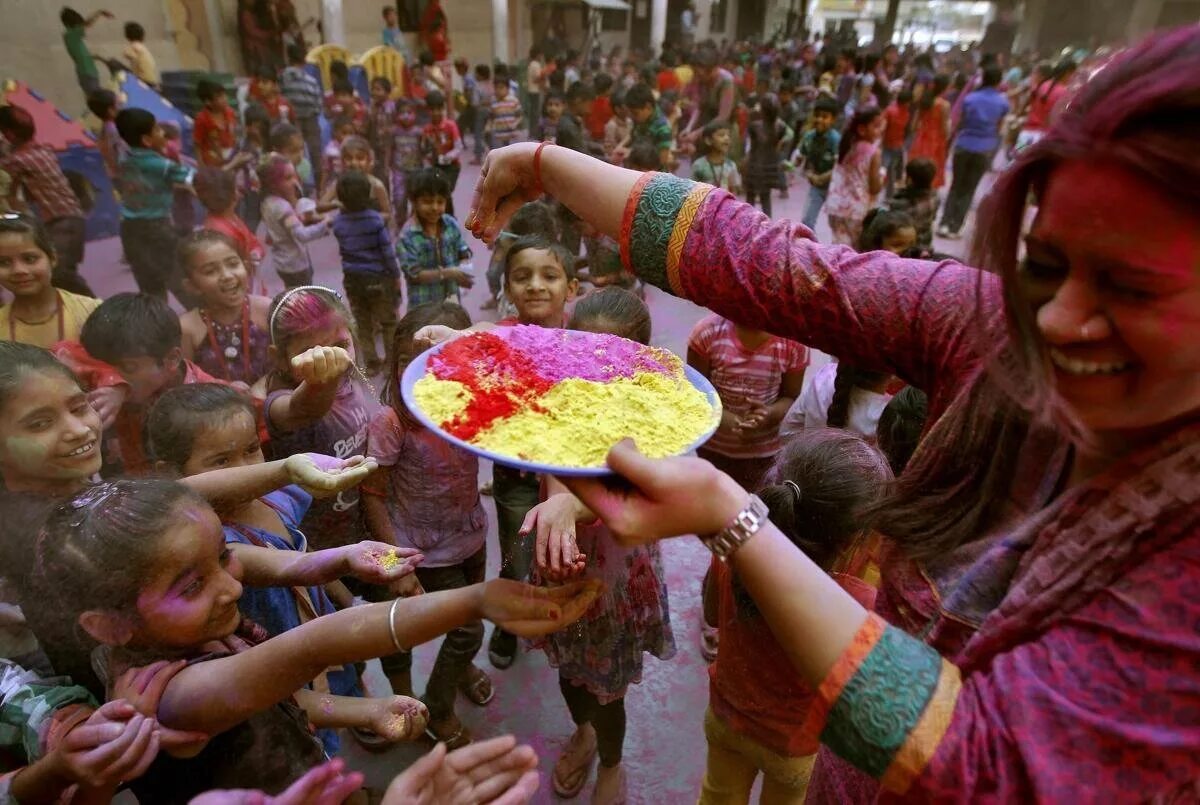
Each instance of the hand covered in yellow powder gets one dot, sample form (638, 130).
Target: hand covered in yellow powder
(325, 476)
(397, 718)
(380, 563)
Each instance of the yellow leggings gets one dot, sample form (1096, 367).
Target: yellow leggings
(734, 761)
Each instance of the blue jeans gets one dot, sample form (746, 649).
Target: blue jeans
(816, 200)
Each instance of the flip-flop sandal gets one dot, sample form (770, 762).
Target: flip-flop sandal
(458, 740)
(478, 688)
(578, 776)
(370, 740)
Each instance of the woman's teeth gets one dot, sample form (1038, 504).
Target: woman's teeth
(87, 448)
(1078, 367)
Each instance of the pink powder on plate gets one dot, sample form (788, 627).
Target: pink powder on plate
(562, 354)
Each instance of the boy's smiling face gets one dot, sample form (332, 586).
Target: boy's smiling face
(539, 286)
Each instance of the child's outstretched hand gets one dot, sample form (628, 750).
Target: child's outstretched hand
(496, 771)
(327, 784)
(324, 476)
(116, 744)
(321, 365)
(553, 523)
(397, 718)
(529, 611)
(434, 334)
(380, 563)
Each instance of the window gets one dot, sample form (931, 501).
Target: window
(716, 16)
(612, 19)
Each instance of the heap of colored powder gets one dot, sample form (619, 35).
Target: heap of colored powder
(388, 560)
(499, 380)
(441, 400)
(580, 420)
(563, 354)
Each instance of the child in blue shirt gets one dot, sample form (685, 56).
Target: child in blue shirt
(370, 267)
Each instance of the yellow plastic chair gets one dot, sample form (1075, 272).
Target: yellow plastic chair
(324, 56)
(387, 62)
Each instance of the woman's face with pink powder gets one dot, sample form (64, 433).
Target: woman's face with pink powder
(1113, 276)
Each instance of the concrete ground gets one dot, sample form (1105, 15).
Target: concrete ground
(664, 747)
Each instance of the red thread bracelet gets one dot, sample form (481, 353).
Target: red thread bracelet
(538, 190)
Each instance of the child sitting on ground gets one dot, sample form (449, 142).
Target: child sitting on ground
(226, 333)
(816, 492)
(434, 255)
(442, 514)
(370, 269)
(39, 313)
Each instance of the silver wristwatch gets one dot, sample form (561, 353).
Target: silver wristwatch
(747, 523)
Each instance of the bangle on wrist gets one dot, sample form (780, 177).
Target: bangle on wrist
(392, 625)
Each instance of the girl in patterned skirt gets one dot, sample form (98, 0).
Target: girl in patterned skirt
(598, 658)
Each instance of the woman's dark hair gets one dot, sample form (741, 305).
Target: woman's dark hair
(619, 310)
(354, 191)
(100, 102)
(428, 182)
(900, 426)
(131, 325)
(449, 314)
(22, 223)
(941, 83)
(215, 188)
(180, 413)
(850, 137)
(540, 242)
(1138, 112)
(879, 225)
(846, 380)
(198, 240)
(821, 491)
(920, 173)
(95, 552)
(135, 124)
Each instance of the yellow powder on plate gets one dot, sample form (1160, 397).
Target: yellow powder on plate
(584, 419)
(441, 400)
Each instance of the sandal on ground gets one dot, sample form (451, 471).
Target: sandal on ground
(570, 777)
(370, 740)
(454, 740)
(619, 797)
(477, 687)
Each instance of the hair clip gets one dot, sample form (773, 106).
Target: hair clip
(795, 487)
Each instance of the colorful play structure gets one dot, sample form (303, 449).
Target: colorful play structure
(76, 147)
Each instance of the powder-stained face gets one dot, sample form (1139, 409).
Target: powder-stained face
(49, 434)
(1113, 275)
(230, 441)
(538, 285)
(24, 268)
(191, 596)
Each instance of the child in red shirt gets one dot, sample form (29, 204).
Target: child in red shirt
(441, 142)
(217, 191)
(265, 90)
(215, 129)
(897, 115)
(815, 491)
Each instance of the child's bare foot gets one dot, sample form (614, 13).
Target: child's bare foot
(610, 787)
(450, 731)
(571, 770)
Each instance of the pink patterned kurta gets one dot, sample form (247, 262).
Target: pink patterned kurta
(1058, 656)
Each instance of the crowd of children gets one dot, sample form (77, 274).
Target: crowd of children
(243, 570)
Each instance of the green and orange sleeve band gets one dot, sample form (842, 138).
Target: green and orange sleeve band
(886, 704)
(658, 216)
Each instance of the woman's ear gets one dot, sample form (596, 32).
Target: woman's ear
(107, 627)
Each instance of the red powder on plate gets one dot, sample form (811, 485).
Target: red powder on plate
(502, 381)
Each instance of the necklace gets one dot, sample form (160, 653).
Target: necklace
(232, 350)
(58, 311)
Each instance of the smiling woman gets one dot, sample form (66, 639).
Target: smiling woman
(1037, 619)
